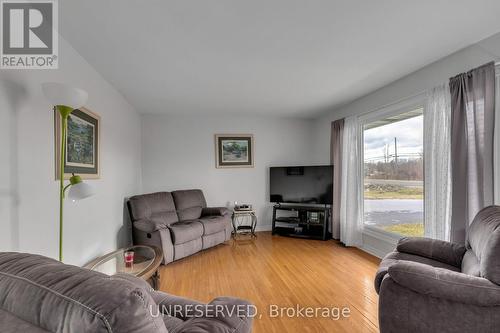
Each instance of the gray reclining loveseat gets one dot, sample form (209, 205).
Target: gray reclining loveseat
(41, 295)
(429, 285)
(178, 222)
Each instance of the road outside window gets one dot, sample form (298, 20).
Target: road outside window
(394, 174)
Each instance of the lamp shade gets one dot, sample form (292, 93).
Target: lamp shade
(80, 191)
(62, 94)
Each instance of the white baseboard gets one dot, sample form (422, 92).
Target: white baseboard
(264, 227)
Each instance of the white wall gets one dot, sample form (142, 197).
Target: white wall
(410, 85)
(28, 192)
(179, 153)
(413, 84)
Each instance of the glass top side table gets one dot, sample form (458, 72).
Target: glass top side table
(244, 223)
(147, 260)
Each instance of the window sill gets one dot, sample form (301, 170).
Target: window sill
(381, 234)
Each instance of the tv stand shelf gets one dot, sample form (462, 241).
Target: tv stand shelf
(309, 221)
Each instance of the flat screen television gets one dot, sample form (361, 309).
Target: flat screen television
(302, 184)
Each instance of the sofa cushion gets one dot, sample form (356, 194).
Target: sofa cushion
(470, 264)
(189, 204)
(205, 325)
(188, 248)
(165, 218)
(186, 231)
(394, 257)
(157, 206)
(212, 240)
(214, 224)
(11, 324)
(446, 252)
(64, 298)
(172, 323)
(483, 239)
(149, 226)
(442, 283)
(191, 213)
(221, 315)
(181, 307)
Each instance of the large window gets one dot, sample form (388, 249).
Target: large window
(393, 173)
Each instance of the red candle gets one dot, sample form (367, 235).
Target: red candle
(129, 258)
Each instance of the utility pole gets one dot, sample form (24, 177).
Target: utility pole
(396, 150)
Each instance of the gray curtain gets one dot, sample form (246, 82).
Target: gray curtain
(472, 135)
(337, 134)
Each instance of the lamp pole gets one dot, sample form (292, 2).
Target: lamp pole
(64, 112)
(65, 99)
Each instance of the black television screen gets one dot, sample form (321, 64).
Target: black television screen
(302, 184)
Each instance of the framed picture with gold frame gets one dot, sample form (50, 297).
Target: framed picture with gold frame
(82, 146)
(234, 151)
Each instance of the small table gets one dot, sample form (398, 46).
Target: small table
(147, 261)
(240, 222)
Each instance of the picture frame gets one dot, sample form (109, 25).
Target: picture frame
(234, 151)
(83, 144)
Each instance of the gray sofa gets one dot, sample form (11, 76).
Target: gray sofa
(178, 222)
(40, 295)
(434, 286)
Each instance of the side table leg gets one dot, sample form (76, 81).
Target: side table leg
(254, 225)
(155, 279)
(233, 220)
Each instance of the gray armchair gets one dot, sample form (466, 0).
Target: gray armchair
(429, 285)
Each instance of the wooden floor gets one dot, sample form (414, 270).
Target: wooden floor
(286, 272)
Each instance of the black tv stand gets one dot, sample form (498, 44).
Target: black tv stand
(301, 221)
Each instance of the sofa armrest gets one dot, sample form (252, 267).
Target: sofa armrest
(236, 313)
(214, 211)
(445, 284)
(137, 282)
(149, 225)
(177, 306)
(220, 315)
(446, 252)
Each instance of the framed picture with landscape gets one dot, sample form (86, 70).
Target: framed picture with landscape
(234, 150)
(82, 144)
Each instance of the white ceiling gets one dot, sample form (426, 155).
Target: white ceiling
(269, 57)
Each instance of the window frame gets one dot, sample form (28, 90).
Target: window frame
(405, 105)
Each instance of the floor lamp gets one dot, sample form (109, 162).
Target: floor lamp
(65, 99)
